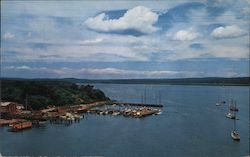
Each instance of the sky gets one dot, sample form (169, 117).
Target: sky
(125, 39)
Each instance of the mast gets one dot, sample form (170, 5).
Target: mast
(159, 98)
(156, 99)
(145, 95)
(235, 105)
(231, 103)
(142, 98)
(235, 116)
(235, 121)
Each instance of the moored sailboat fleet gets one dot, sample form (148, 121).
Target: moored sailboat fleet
(232, 115)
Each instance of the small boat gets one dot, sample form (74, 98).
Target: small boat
(217, 104)
(43, 122)
(220, 100)
(115, 113)
(158, 113)
(232, 106)
(234, 134)
(21, 126)
(230, 115)
(78, 116)
(223, 102)
(220, 103)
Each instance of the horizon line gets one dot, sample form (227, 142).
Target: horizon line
(127, 78)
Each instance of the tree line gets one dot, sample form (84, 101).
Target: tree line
(38, 94)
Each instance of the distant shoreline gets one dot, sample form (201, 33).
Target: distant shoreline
(206, 81)
(181, 84)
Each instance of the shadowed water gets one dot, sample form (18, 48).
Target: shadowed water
(190, 125)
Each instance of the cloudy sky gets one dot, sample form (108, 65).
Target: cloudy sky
(125, 39)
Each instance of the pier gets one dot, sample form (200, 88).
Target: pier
(137, 104)
(135, 113)
(8, 122)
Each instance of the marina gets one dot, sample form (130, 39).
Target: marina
(135, 113)
(20, 119)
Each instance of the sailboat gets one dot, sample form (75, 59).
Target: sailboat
(232, 106)
(220, 102)
(158, 101)
(234, 134)
(231, 113)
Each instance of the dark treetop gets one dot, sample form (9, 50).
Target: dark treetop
(41, 93)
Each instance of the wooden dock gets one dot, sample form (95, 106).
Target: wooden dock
(8, 122)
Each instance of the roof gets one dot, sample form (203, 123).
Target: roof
(6, 103)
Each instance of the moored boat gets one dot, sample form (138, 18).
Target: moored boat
(159, 112)
(232, 105)
(230, 115)
(21, 126)
(234, 134)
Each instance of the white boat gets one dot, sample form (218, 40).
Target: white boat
(234, 134)
(230, 115)
(115, 113)
(217, 104)
(220, 100)
(158, 113)
(232, 105)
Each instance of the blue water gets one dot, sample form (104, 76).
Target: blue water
(190, 125)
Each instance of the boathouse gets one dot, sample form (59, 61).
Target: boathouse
(8, 107)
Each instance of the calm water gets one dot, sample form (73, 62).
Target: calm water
(191, 125)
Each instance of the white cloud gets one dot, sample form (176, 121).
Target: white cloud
(93, 73)
(138, 18)
(232, 31)
(92, 41)
(186, 35)
(228, 51)
(116, 71)
(8, 36)
(23, 67)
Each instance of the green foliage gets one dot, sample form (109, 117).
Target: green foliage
(40, 93)
(37, 102)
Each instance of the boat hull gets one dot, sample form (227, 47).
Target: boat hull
(21, 126)
(231, 116)
(235, 136)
